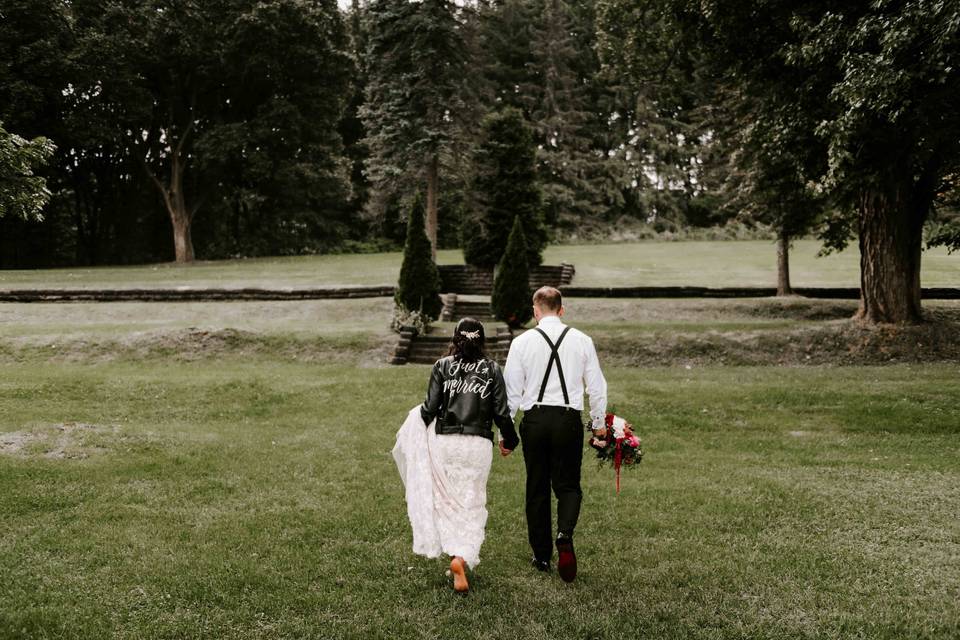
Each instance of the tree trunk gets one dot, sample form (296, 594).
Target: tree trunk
(174, 198)
(82, 251)
(180, 215)
(182, 239)
(433, 180)
(783, 265)
(891, 225)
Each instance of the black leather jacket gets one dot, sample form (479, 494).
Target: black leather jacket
(466, 397)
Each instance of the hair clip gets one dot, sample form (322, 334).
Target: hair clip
(470, 335)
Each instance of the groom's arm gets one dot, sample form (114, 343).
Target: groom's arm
(596, 386)
(514, 379)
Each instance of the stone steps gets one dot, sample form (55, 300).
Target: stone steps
(455, 307)
(465, 279)
(469, 280)
(427, 349)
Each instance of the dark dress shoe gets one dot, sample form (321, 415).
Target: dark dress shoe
(540, 565)
(566, 558)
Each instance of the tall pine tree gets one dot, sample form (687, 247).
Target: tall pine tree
(538, 56)
(505, 53)
(351, 125)
(567, 161)
(505, 188)
(657, 74)
(414, 107)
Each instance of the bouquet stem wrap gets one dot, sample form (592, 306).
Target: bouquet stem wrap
(618, 460)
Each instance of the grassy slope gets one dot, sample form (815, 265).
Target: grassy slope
(627, 332)
(257, 499)
(744, 263)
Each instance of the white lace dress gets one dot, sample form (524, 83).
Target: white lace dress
(445, 477)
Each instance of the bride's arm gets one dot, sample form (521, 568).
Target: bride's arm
(501, 412)
(431, 404)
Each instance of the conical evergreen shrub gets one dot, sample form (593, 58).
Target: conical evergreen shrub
(419, 286)
(511, 301)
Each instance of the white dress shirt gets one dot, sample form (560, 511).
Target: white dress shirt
(527, 364)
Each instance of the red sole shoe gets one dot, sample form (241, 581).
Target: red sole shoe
(566, 561)
(459, 570)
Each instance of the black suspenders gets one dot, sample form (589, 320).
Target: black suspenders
(554, 355)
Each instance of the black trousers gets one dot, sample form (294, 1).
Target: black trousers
(552, 453)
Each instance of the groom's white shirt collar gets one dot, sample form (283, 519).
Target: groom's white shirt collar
(549, 320)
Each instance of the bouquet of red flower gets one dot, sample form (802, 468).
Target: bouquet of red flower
(619, 446)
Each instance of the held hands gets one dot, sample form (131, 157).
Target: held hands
(503, 450)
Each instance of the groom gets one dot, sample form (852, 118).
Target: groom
(547, 370)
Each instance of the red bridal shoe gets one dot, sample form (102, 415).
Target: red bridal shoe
(459, 570)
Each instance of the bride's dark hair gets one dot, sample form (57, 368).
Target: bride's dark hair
(468, 340)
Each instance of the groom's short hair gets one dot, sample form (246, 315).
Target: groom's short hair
(548, 298)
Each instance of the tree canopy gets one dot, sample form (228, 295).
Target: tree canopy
(871, 92)
(246, 128)
(166, 113)
(846, 108)
(22, 193)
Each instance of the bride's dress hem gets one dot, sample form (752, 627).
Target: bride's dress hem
(445, 481)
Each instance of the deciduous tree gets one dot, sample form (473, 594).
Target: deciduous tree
(22, 193)
(225, 104)
(882, 83)
(766, 177)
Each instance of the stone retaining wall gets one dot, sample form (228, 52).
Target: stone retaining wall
(190, 294)
(836, 293)
(200, 295)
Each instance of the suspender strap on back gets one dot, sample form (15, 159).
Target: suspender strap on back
(554, 355)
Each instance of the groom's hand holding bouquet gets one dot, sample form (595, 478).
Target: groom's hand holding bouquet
(616, 443)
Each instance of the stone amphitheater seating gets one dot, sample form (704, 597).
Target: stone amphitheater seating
(469, 280)
(464, 280)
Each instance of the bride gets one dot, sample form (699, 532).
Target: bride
(444, 466)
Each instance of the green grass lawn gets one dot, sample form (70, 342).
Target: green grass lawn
(101, 320)
(706, 263)
(222, 470)
(239, 498)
